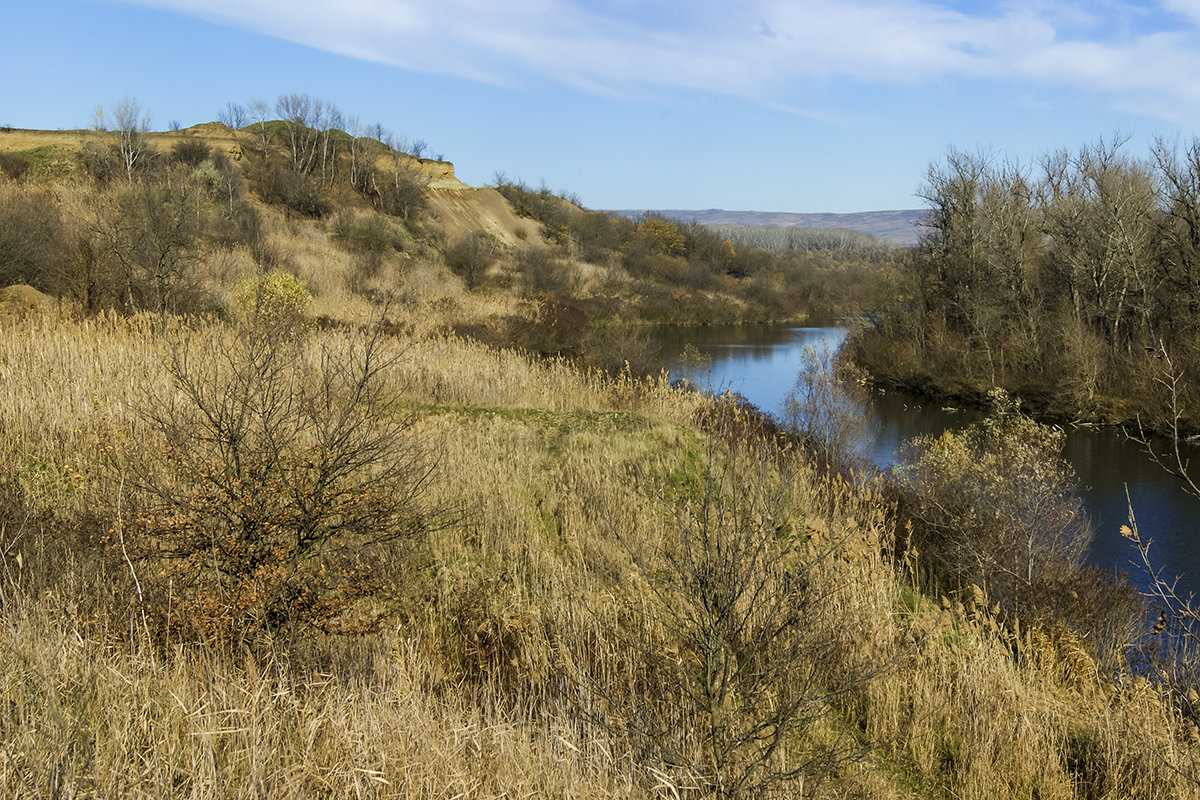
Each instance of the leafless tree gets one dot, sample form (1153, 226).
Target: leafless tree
(828, 406)
(260, 114)
(730, 669)
(304, 117)
(1178, 612)
(233, 115)
(288, 474)
(129, 128)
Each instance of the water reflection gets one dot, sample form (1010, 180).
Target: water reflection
(760, 362)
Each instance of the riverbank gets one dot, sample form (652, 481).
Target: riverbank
(762, 364)
(527, 642)
(1061, 400)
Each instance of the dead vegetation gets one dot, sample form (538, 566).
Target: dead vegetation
(526, 645)
(639, 593)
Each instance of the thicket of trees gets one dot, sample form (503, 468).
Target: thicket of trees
(129, 233)
(1061, 283)
(128, 244)
(676, 262)
(138, 217)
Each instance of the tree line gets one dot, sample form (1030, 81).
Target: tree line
(692, 259)
(1061, 282)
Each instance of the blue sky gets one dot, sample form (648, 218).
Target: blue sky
(769, 105)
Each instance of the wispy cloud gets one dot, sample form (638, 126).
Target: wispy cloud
(771, 51)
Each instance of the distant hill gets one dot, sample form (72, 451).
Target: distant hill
(899, 227)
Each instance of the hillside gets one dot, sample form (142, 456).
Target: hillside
(356, 217)
(325, 475)
(898, 227)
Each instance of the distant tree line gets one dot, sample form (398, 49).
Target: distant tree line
(1062, 283)
(694, 259)
(839, 240)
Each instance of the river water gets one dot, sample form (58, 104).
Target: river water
(761, 362)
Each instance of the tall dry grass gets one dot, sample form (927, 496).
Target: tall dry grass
(569, 484)
(86, 718)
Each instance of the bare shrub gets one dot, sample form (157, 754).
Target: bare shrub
(828, 406)
(542, 273)
(191, 151)
(719, 675)
(997, 505)
(14, 165)
(285, 482)
(470, 257)
(33, 239)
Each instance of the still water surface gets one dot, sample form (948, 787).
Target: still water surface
(760, 362)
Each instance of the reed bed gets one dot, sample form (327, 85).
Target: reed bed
(570, 485)
(83, 718)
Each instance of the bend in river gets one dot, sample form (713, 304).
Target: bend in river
(761, 362)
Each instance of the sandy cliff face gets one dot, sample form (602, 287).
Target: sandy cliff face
(459, 209)
(440, 174)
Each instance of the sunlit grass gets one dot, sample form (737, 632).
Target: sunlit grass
(559, 474)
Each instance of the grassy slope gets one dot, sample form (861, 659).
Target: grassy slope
(464, 693)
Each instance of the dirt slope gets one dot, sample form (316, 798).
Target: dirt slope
(462, 210)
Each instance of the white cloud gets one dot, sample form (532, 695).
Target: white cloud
(759, 49)
(1189, 9)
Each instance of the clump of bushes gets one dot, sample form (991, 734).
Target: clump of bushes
(996, 506)
(272, 298)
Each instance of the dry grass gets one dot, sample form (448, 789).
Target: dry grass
(85, 719)
(558, 471)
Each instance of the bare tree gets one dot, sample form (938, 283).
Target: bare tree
(354, 128)
(1180, 190)
(147, 236)
(305, 119)
(288, 476)
(406, 193)
(129, 128)
(260, 113)
(827, 408)
(333, 122)
(234, 116)
(730, 667)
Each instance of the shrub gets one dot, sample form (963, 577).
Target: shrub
(33, 240)
(542, 273)
(14, 165)
(470, 257)
(997, 505)
(278, 185)
(192, 152)
(403, 194)
(285, 486)
(829, 408)
(98, 161)
(271, 298)
(662, 236)
(730, 666)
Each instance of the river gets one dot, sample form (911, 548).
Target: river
(761, 362)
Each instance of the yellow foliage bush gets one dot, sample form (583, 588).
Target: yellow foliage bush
(273, 298)
(662, 236)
